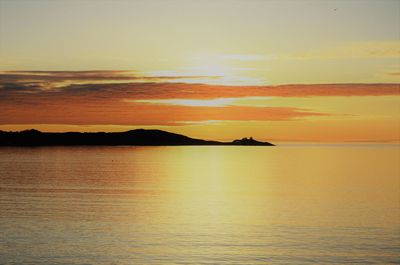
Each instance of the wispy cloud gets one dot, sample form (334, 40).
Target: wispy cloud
(215, 102)
(106, 83)
(34, 97)
(123, 114)
(53, 79)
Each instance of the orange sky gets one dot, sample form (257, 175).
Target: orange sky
(306, 70)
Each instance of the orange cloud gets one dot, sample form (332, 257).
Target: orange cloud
(25, 99)
(143, 114)
(31, 89)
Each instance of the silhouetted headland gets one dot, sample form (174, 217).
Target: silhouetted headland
(138, 137)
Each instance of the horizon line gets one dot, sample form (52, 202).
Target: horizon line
(280, 141)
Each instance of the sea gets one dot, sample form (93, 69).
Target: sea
(289, 204)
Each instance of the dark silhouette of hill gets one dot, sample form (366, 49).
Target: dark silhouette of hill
(138, 137)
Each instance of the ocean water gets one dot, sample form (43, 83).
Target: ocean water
(200, 205)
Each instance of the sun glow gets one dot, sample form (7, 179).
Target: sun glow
(213, 69)
(215, 102)
(218, 102)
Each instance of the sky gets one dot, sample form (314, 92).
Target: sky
(323, 71)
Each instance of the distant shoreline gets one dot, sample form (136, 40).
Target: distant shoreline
(139, 137)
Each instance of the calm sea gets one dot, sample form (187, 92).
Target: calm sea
(200, 205)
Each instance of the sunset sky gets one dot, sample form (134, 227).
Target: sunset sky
(324, 71)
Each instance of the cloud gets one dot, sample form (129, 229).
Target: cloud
(54, 76)
(105, 83)
(217, 102)
(125, 114)
(51, 79)
(24, 99)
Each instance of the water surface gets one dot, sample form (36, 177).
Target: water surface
(200, 205)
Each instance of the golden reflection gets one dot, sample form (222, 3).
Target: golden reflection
(201, 204)
(242, 185)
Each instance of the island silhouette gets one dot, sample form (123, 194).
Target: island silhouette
(139, 137)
